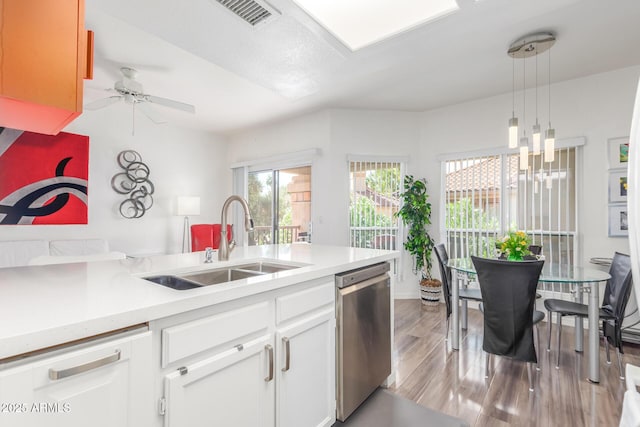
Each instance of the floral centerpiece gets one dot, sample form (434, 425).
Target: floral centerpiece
(515, 245)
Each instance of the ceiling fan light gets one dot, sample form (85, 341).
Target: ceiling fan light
(513, 132)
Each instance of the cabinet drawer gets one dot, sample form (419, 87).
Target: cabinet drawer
(193, 337)
(293, 305)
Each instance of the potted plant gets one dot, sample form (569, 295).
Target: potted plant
(416, 214)
(515, 245)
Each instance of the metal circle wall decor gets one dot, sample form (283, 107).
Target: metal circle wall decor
(134, 182)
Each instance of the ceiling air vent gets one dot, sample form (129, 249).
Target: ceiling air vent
(250, 11)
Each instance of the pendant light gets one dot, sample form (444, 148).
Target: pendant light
(523, 48)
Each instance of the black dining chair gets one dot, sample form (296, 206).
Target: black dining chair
(465, 294)
(614, 303)
(509, 294)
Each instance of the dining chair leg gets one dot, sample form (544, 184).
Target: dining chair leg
(463, 316)
(446, 331)
(549, 322)
(530, 375)
(486, 366)
(606, 347)
(559, 317)
(536, 331)
(619, 356)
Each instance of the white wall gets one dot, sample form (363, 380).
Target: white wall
(337, 133)
(597, 107)
(182, 162)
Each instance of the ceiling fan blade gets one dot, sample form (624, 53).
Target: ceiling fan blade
(101, 103)
(171, 103)
(152, 114)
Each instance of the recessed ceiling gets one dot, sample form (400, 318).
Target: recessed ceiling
(359, 23)
(239, 76)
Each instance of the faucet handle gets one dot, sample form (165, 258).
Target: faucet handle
(208, 255)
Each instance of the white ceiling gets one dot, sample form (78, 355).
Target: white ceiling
(238, 77)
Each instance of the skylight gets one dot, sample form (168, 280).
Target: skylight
(359, 23)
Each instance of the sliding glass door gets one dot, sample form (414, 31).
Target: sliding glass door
(280, 204)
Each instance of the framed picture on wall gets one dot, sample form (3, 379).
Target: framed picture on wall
(618, 224)
(618, 152)
(618, 186)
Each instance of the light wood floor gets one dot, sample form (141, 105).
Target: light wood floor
(431, 374)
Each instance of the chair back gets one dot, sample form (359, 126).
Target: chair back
(616, 297)
(207, 236)
(508, 294)
(618, 289)
(445, 274)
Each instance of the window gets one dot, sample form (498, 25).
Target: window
(374, 199)
(485, 196)
(278, 191)
(280, 205)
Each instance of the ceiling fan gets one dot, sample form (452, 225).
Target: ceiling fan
(131, 91)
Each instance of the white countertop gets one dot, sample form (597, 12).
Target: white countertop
(41, 306)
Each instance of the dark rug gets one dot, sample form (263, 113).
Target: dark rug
(386, 409)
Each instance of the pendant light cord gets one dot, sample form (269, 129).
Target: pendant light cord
(513, 87)
(536, 87)
(524, 96)
(549, 62)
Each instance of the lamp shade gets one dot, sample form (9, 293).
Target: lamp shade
(188, 206)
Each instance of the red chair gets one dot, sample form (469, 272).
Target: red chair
(207, 236)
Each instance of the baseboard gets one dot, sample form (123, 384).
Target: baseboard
(407, 295)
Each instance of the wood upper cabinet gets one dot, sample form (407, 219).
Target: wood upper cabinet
(45, 53)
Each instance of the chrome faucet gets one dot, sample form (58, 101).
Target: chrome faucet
(225, 247)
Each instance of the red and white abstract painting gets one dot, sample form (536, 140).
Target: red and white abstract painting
(43, 178)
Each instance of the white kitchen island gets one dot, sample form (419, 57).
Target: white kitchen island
(256, 351)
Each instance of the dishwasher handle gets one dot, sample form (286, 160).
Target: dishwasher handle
(352, 277)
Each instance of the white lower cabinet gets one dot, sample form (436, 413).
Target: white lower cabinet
(103, 384)
(231, 388)
(305, 394)
(269, 362)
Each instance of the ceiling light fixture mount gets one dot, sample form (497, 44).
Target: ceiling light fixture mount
(523, 48)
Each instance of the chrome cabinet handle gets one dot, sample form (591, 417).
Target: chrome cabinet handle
(287, 354)
(269, 349)
(64, 373)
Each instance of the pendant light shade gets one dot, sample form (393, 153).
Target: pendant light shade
(524, 153)
(549, 145)
(513, 132)
(536, 139)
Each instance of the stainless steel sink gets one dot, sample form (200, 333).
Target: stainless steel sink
(266, 267)
(223, 275)
(219, 275)
(173, 282)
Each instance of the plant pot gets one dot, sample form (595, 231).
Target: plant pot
(430, 291)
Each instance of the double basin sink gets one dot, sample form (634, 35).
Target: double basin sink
(218, 276)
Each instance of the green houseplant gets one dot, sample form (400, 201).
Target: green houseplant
(416, 214)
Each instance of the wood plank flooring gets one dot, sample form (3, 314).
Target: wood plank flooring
(431, 374)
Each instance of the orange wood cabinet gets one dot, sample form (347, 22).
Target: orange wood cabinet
(45, 53)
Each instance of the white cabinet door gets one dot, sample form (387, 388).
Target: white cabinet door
(306, 372)
(106, 384)
(232, 388)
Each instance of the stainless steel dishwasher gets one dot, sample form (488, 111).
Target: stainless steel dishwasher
(363, 335)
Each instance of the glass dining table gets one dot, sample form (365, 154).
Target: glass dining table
(585, 280)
